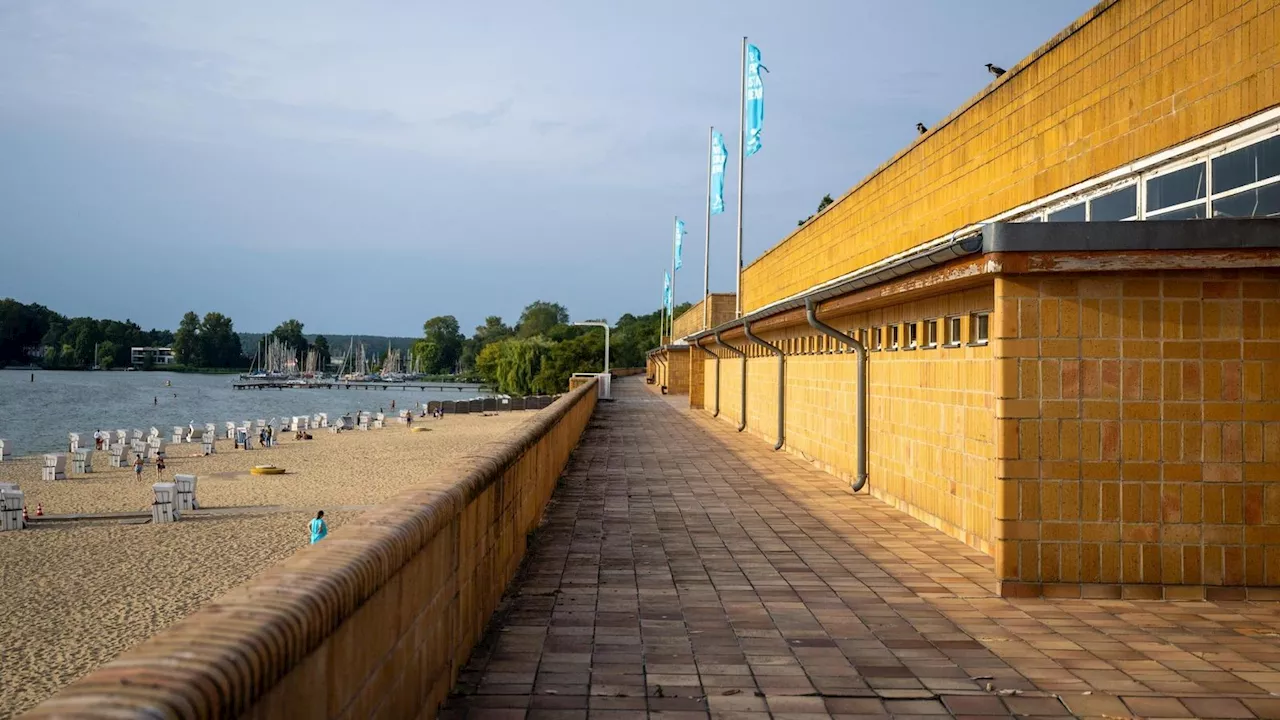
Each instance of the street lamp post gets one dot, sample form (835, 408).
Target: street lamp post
(604, 325)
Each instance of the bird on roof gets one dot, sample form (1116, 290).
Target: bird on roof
(922, 128)
(995, 70)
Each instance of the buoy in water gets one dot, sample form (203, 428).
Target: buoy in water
(266, 470)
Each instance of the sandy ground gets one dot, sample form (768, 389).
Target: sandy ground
(75, 595)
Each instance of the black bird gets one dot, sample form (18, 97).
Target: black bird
(995, 70)
(922, 128)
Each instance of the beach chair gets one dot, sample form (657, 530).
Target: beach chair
(122, 437)
(194, 434)
(55, 467)
(261, 423)
(380, 420)
(178, 433)
(119, 458)
(155, 432)
(208, 446)
(186, 485)
(362, 422)
(164, 509)
(322, 420)
(6, 450)
(231, 431)
(11, 503)
(75, 441)
(155, 448)
(404, 417)
(82, 461)
(346, 422)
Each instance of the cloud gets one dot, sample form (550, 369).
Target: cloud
(477, 119)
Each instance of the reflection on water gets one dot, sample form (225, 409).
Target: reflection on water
(36, 416)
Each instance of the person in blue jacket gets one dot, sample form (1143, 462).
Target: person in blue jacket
(319, 528)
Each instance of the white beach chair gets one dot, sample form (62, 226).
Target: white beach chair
(11, 502)
(155, 432)
(155, 448)
(208, 445)
(194, 434)
(55, 467)
(75, 441)
(186, 485)
(6, 450)
(380, 420)
(404, 417)
(178, 433)
(82, 462)
(231, 431)
(164, 509)
(119, 456)
(122, 437)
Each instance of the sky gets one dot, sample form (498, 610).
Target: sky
(363, 166)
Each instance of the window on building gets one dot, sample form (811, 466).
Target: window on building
(931, 333)
(978, 326)
(1071, 213)
(1258, 202)
(877, 338)
(953, 331)
(1175, 190)
(1190, 212)
(1116, 205)
(863, 338)
(913, 335)
(893, 337)
(1246, 182)
(1032, 218)
(1248, 165)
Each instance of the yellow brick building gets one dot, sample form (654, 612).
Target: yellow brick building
(1069, 366)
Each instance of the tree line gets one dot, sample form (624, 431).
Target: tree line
(34, 334)
(540, 352)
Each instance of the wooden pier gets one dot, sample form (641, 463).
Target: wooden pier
(344, 385)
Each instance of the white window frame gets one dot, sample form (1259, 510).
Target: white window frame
(973, 328)
(950, 339)
(912, 335)
(892, 344)
(930, 325)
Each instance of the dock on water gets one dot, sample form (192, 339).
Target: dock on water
(343, 385)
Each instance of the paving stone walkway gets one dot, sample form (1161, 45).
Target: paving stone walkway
(688, 571)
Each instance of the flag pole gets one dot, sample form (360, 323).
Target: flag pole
(706, 254)
(742, 154)
(675, 234)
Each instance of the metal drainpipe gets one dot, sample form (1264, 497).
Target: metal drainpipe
(811, 313)
(704, 349)
(742, 422)
(782, 375)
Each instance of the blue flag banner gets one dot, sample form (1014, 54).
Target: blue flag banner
(666, 290)
(719, 158)
(679, 243)
(755, 101)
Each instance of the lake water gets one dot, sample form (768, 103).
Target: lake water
(35, 417)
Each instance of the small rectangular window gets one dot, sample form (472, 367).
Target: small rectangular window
(877, 338)
(1246, 166)
(1191, 212)
(1177, 187)
(931, 333)
(978, 323)
(1116, 205)
(893, 337)
(953, 331)
(1259, 202)
(1071, 213)
(913, 336)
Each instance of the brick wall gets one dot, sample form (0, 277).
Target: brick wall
(1138, 420)
(721, 308)
(696, 376)
(1132, 78)
(931, 435)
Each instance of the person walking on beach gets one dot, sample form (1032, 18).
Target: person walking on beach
(159, 466)
(137, 466)
(319, 528)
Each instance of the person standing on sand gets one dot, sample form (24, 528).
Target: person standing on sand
(159, 466)
(137, 466)
(319, 528)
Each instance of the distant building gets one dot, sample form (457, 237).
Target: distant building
(158, 355)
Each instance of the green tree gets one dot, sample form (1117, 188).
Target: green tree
(219, 342)
(321, 346)
(187, 349)
(107, 352)
(290, 333)
(443, 332)
(539, 317)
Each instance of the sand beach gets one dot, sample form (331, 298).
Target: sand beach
(73, 595)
